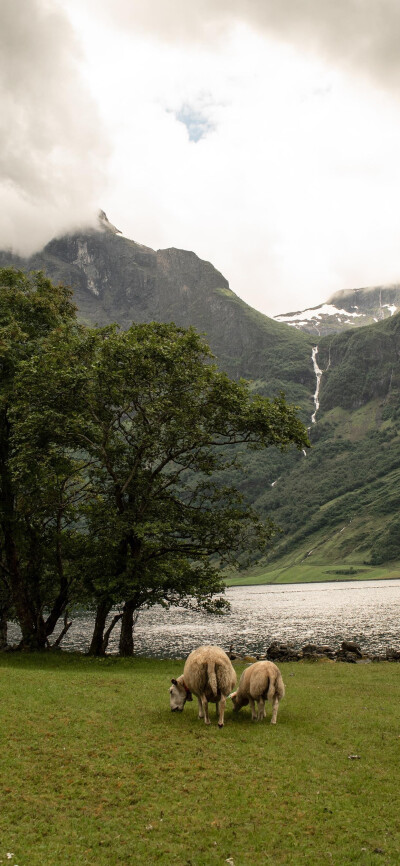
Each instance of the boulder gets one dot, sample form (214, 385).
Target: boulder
(393, 655)
(283, 652)
(349, 646)
(316, 651)
(350, 657)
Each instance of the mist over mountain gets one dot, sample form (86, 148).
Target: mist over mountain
(339, 504)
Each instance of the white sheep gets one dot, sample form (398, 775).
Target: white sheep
(209, 674)
(259, 682)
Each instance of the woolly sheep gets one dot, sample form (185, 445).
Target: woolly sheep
(258, 682)
(209, 674)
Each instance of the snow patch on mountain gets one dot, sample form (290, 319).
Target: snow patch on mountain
(317, 313)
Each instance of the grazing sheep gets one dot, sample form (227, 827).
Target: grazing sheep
(209, 674)
(258, 682)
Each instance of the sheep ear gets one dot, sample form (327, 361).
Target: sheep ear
(232, 695)
(174, 682)
(189, 696)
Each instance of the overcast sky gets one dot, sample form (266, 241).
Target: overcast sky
(262, 134)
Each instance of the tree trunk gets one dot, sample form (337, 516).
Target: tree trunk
(67, 626)
(30, 621)
(96, 645)
(61, 600)
(107, 634)
(127, 623)
(3, 628)
(20, 596)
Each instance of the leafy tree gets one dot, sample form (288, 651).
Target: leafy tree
(36, 493)
(113, 452)
(157, 425)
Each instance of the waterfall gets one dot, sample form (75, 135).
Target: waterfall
(318, 374)
(381, 314)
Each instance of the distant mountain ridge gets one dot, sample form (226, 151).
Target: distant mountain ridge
(352, 308)
(115, 279)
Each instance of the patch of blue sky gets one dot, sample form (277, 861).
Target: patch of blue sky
(197, 124)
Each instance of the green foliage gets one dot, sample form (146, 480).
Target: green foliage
(117, 448)
(33, 503)
(386, 547)
(156, 421)
(339, 480)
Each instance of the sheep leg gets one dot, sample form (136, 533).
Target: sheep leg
(204, 703)
(221, 710)
(275, 705)
(201, 714)
(261, 709)
(253, 709)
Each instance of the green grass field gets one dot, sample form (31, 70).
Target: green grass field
(95, 769)
(288, 571)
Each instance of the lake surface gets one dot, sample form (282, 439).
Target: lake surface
(365, 611)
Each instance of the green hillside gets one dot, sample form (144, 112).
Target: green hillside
(340, 505)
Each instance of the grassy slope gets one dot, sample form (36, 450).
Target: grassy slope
(273, 357)
(98, 771)
(292, 570)
(339, 506)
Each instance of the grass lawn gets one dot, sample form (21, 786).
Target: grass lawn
(317, 572)
(95, 769)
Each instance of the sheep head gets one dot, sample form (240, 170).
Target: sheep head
(238, 702)
(178, 695)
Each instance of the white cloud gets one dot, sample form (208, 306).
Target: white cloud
(290, 183)
(362, 35)
(53, 151)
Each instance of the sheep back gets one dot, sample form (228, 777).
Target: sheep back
(261, 679)
(209, 671)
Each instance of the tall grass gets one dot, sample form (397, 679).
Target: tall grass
(95, 769)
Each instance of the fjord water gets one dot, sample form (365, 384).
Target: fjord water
(325, 613)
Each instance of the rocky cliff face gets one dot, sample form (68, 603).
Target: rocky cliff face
(115, 279)
(361, 366)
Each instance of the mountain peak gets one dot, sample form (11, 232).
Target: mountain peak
(105, 224)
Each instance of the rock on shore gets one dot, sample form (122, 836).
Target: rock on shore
(349, 652)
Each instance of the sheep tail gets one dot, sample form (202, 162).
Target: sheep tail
(276, 687)
(212, 677)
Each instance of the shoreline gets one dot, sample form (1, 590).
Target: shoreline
(327, 613)
(351, 579)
